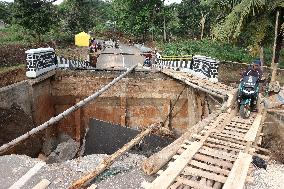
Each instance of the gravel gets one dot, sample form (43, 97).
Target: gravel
(272, 178)
(124, 173)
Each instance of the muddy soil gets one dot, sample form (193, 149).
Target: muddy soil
(273, 139)
(12, 76)
(15, 122)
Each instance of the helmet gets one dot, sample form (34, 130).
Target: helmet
(257, 61)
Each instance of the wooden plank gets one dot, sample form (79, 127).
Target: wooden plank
(226, 138)
(175, 185)
(44, 183)
(214, 161)
(209, 167)
(205, 174)
(251, 134)
(238, 125)
(238, 138)
(217, 153)
(170, 174)
(22, 181)
(93, 186)
(227, 143)
(155, 162)
(211, 145)
(237, 129)
(233, 133)
(192, 183)
(238, 174)
(214, 139)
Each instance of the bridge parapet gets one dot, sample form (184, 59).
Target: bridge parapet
(43, 60)
(202, 66)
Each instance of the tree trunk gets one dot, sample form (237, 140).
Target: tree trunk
(273, 63)
(202, 23)
(261, 56)
(165, 34)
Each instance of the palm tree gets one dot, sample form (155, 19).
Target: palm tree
(255, 15)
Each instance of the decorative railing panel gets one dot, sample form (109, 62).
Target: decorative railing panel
(39, 61)
(202, 65)
(42, 60)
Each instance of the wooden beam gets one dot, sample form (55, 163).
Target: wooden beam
(170, 174)
(44, 183)
(251, 134)
(155, 162)
(107, 162)
(22, 181)
(238, 174)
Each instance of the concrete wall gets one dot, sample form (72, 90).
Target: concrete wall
(34, 99)
(19, 94)
(138, 100)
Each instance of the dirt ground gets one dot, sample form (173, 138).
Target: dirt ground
(13, 123)
(273, 140)
(11, 76)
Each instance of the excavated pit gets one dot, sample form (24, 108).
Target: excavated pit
(137, 101)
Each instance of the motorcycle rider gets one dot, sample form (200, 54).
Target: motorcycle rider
(254, 70)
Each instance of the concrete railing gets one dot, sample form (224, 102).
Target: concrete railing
(42, 60)
(199, 65)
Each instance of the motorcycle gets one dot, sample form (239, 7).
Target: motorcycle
(247, 95)
(147, 62)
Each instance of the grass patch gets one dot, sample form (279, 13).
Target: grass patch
(7, 69)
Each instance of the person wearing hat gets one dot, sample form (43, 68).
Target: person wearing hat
(254, 69)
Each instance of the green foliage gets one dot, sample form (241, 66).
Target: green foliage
(189, 13)
(77, 16)
(6, 12)
(136, 17)
(37, 16)
(14, 34)
(220, 50)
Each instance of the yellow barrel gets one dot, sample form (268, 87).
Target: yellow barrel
(82, 39)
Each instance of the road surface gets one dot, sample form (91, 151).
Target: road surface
(123, 57)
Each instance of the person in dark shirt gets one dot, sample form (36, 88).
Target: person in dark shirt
(254, 70)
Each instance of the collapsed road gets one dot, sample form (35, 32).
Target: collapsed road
(214, 152)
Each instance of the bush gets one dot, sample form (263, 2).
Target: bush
(214, 49)
(14, 34)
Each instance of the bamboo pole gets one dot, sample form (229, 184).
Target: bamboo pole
(273, 63)
(57, 118)
(107, 162)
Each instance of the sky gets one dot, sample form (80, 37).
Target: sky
(59, 1)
